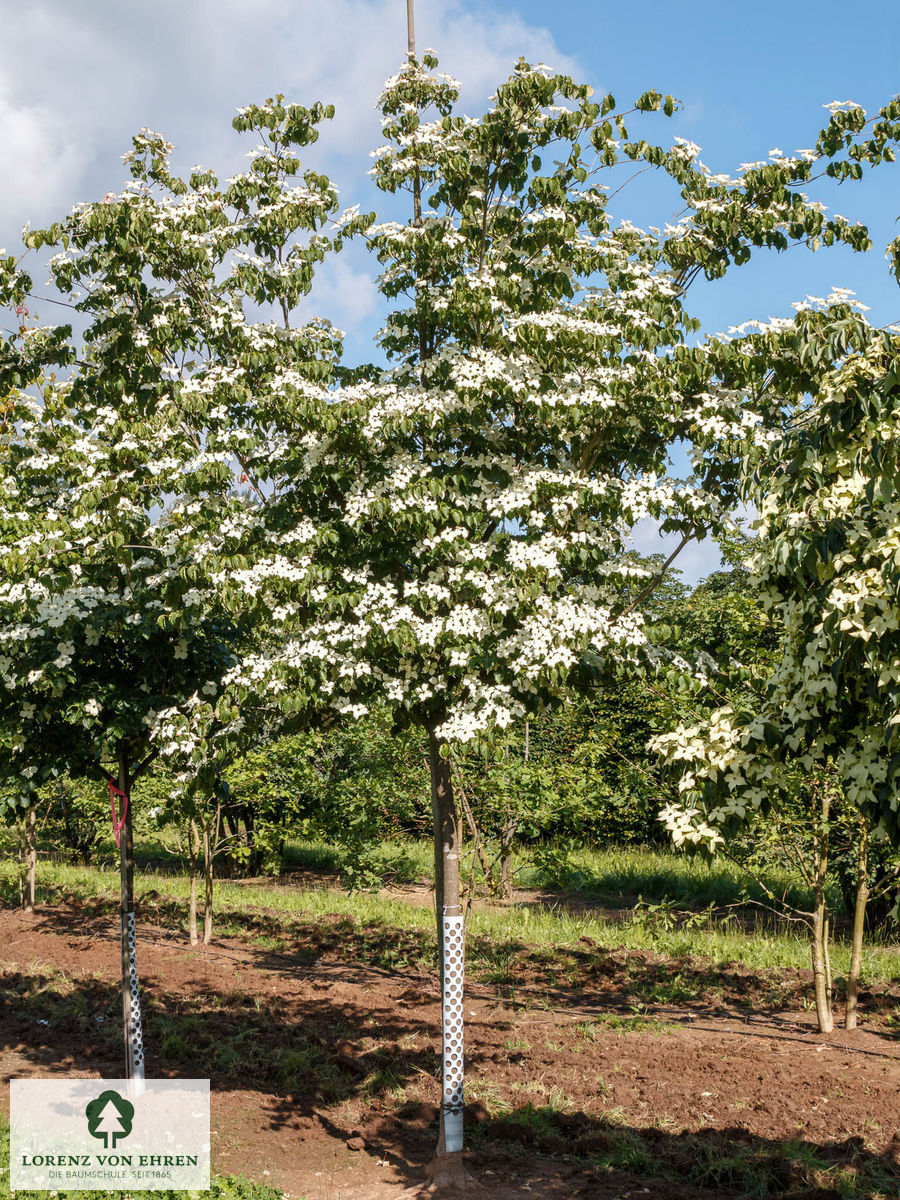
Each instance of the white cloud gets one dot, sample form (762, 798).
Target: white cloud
(344, 291)
(63, 90)
(37, 165)
(77, 80)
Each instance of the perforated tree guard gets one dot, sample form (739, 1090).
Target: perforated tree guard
(452, 1026)
(131, 999)
(134, 1037)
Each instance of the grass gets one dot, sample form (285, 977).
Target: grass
(638, 1023)
(660, 874)
(496, 939)
(600, 873)
(604, 874)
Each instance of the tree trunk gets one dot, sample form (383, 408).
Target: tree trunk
(508, 833)
(30, 859)
(820, 985)
(207, 889)
(446, 1169)
(210, 844)
(820, 965)
(859, 923)
(193, 856)
(826, 955)
(507, 837)
(131, 1003)
(476, 839)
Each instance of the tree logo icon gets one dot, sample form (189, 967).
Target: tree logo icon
(109, 1117)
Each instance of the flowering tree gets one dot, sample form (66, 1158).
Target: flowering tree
(26, 355)
(139, 493)
(826, 563)
(539, 377)
(199, 523)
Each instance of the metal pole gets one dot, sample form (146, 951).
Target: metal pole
(131, 1000)
(410, 28)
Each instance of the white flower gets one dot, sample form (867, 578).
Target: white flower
(66, 650)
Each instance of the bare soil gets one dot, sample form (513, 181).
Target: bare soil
(571, 1094)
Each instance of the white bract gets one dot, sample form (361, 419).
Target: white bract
(826, 562)
(140, 492)
(539, 372)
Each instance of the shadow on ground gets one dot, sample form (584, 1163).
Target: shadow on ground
(589, 973)
(309, 1055)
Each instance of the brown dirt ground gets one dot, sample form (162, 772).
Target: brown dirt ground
(306, 1050)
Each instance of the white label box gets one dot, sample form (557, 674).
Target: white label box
(109, 1134)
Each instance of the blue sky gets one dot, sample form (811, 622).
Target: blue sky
(754, 77)
(76, 80)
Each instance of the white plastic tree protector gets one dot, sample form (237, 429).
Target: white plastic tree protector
(452, 1026)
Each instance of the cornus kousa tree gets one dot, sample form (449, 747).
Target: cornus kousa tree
(26, 354)
(827, 563)
(140, 493)
(201, 531)
(539, 375)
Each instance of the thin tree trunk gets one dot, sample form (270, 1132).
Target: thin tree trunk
(193, 856)
(207, 888)
(859, 924)
(823, 1010)
(446, 1169)
(30, 859)
(507, 836)
(131, 1003)
(192, 907)
(210, 843)
(820, 965)
(476, 836)
(508, 833)
(22, 867)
